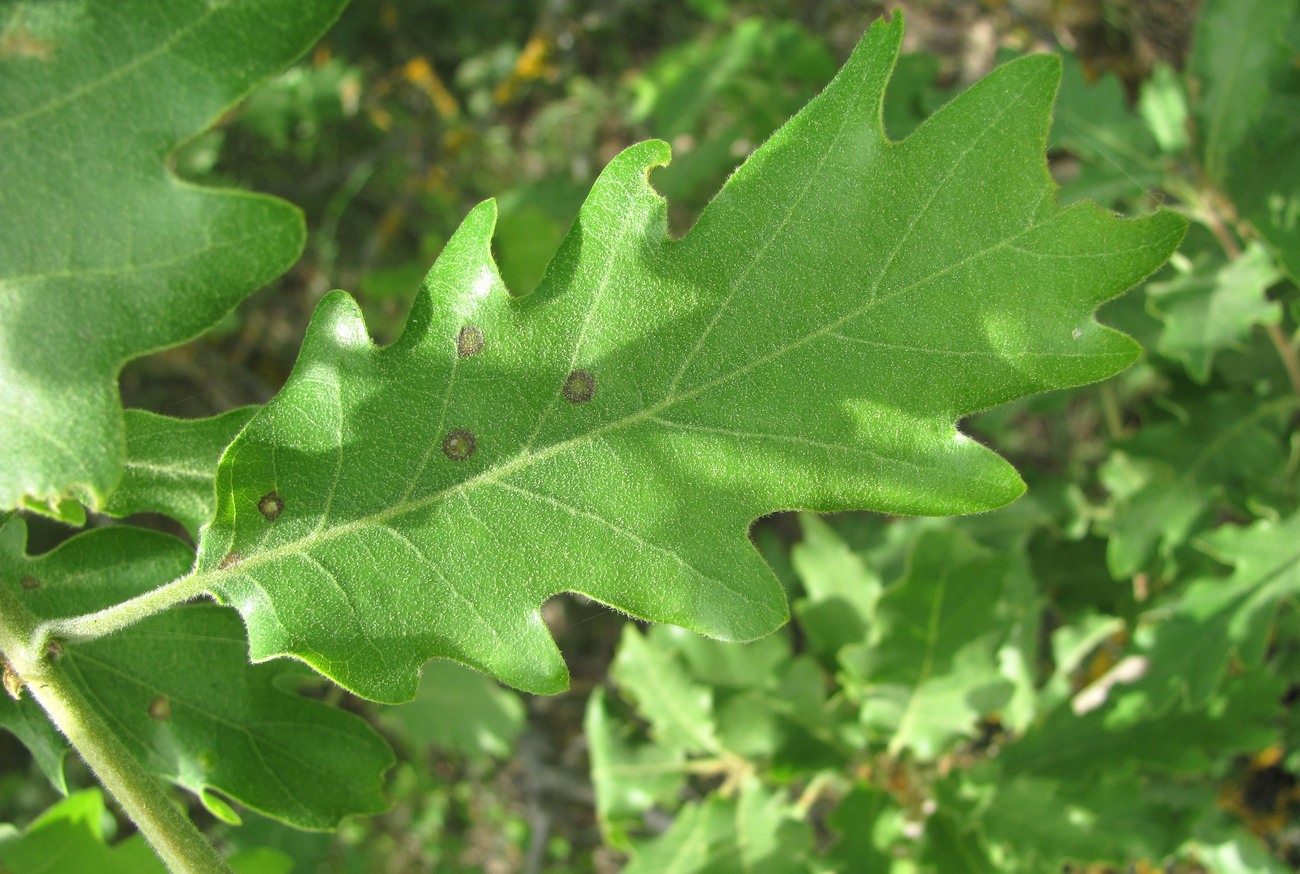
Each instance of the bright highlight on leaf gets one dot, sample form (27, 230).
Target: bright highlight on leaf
(811, 343)
(104, 255)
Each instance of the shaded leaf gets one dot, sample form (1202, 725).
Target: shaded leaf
(1093, 122)
(104, 255)
(1248, 113)
(1212, 305)
(752, 833)
(1239, 47)
(1119, 737)
(842, 589)
(181, 693)
(1167, 480)
(930, 670)
(629, 777)
(1217, 619)
(678, 708)
(171, 465)
(70, 837)
(810, 343)
(461, 711)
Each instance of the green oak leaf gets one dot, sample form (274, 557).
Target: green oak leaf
(1093, 122)
(753, 832)
(1168, 479)
(1240, 47)
(1118, 737)
(678, 707)
(811, 343)
(1212, 305)
(179, 688)
(1190, 649)
(461, 711)
(104, 254)
(842, 589)
(929, 670)
(629, 776)
(1043, 823)
(171, 463)
(70, 837)
(1243, 71)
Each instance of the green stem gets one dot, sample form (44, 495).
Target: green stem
(164, 825)
(90, 626)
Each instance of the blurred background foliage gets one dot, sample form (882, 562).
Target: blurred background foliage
(409, 113)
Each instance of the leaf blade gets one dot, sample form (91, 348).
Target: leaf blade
(435, 496)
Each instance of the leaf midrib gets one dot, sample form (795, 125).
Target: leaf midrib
(501, 471)
(652, 412)
(112, 75)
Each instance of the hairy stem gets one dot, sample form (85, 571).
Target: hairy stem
(103, 622)
(164, 825)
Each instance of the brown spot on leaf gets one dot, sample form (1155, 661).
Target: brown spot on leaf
(469, 341)
(270, 506)
(459, 445)
(231, 559)
(30, 583)
(54, 650)
(19, 42)
(579, 387)
(12, 682)
(160, 708)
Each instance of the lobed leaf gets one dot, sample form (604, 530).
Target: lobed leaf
(179, 690)
(171, 464)
(1248, 114)
(754, 832)
(841, 303)
(70, 837)
(928, 672)
(104, 254)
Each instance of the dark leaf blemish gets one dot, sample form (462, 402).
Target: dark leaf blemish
(270, 506)
(160, 708)
(469, 341)
(459, 445)
(579, 387)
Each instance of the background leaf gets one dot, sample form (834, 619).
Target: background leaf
(70, 837)
(1213, 305)
(615, 432)
(104, 254)
(929, 671)
(171, 465)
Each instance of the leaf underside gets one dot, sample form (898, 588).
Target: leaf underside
(179, 691)
(104, 255)
(811, 343)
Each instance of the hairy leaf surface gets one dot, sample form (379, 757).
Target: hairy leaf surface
(178, 688)
(104, 255)
(811, 343)
(170, 464)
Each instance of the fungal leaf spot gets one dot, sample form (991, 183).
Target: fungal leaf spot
(579, 387)
(231, 559)
(459, 445)
(271, 505)
(469, 341)
(30, 583)
(54, 650)
(160, 708)
(12, 682)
